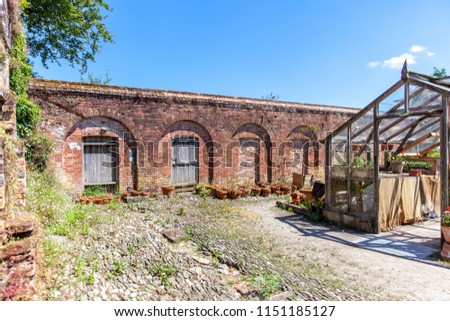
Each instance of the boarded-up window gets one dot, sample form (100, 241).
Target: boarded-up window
(100, 161)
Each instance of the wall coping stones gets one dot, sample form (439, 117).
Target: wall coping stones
(59, 86)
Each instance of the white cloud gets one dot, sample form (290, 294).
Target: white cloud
(417, 48)
(411, 57)
(397, 62)
(373, 64)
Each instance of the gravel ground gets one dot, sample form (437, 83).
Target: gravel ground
(234, 251)
(388, 276)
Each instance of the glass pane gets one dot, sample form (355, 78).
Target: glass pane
(395, 98)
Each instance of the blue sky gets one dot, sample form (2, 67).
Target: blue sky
(326, 52)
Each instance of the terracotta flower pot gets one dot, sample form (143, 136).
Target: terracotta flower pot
(135, 193)
(262, 184)
(233, 194)
(98, 201)
(265, 192)
(308, 194)
(168, 190)
(295, 196)
(278, 192)
(445, 253)
(285, 190)
(293, 188)
(274, 188)
(221, 194)
(446, 232)
(145, 193)
(415, 172)
(256, 191)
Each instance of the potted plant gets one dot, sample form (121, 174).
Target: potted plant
(256, 191)
(445, 225)
(221, 193)
(198, 188)
(168, 190)
(307, 191)
(265, 191)
(397, 164)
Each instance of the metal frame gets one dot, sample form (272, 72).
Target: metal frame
(422, 119)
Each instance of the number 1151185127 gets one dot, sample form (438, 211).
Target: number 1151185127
(296, 311)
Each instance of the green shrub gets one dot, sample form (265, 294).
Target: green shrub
(38, 150)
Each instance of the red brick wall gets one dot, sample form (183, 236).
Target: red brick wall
(149, 119)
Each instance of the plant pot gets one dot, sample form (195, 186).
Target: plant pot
(262, 184)
(285, 190)
(308, 194)
(98, 201)
(256, 191)
(397, 166)
(119, 199)
(221, 194)
(245, 192)
(198, 190)
(145, 193)
(167, 190)
(274, 188)
(278, 192)
(265, 192)
(233, 194)
(445, 253)
(415, 172)
(390, 147)
(295, 197)
(293, 188)
(135, 193)
(446, 232)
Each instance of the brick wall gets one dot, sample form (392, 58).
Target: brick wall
(229, 131)
(17, 239)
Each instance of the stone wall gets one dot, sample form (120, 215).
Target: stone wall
(17, 239)
(238, 138)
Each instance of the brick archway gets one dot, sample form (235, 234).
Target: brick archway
(99, 127)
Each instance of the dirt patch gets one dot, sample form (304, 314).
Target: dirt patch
(328, 250)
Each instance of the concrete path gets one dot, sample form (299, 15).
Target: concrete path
(396, 264)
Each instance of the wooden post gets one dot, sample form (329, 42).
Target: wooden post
(406, 97)
(376, 169)
(349, 163)
(328, 164)
(444, 155)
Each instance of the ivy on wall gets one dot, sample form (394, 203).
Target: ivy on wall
(28, 113)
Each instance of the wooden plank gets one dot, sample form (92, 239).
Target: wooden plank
(384, 95)
(433, 112)
(444, 155)
(417, 141)
(376, 168)
(429, 149)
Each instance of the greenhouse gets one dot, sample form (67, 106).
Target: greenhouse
(388, 164)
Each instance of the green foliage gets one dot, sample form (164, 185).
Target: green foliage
(95, 190)
(65, 29)
(38, 150)
(269, 284)
(436, 153)
(28, 113)
(119, 267)
(439, 73)
(92, 79)
(164, 271)
(445, 219)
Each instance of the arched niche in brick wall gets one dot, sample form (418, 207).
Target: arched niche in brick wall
(73, 151)
(249, 153)
(185, 134)
(300, 151)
